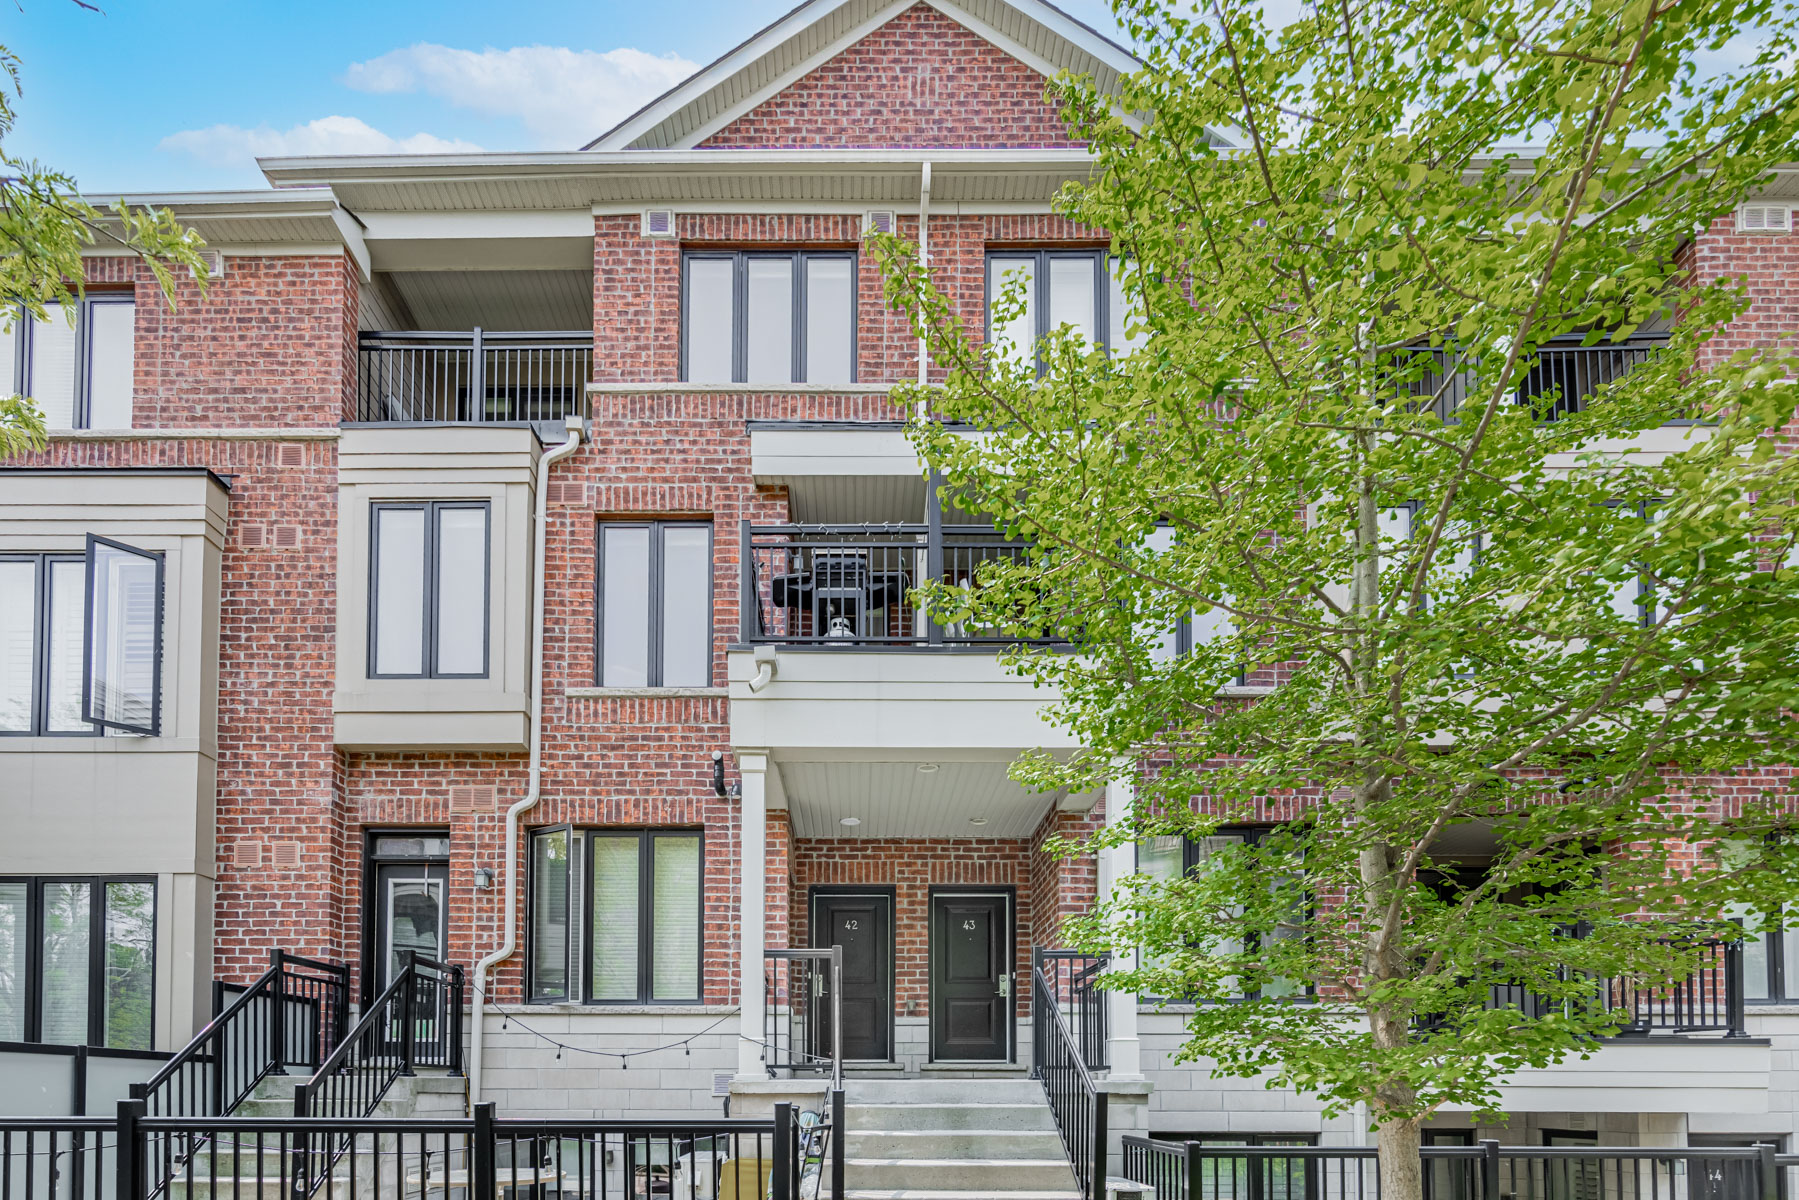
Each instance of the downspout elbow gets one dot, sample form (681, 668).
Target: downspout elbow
(767, 663)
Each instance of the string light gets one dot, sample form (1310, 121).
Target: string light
(624, 1056)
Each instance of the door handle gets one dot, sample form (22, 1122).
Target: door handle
(1005, 985)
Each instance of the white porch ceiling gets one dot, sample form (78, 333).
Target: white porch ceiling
(498, 300)
(897, 800)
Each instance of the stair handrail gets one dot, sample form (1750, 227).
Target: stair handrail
(399, 999)
(1075, 1100)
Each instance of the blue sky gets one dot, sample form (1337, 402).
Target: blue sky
(162, 95)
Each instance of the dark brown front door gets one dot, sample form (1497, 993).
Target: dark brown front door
(971, 980)
(863, 926)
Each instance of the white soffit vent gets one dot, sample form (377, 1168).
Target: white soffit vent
(659, 222)
(1765, 218)
(879, 220)
(215, 265)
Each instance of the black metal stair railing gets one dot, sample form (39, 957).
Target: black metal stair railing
(1075, 1100)
(1074, 981)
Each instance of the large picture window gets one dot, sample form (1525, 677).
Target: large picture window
(655, 620)
(78, 961)
(774, 318)
(81, 641)
(1082, 289)
(77, 372)
(428, 590)
(616, 915)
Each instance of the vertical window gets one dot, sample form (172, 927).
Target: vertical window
(428, 590)
(655, 621)
(637, 934)
(768, 318)
(79, 371)
(78, 961)
(1634, 597)
(1771, 958)
(81, 641)
(1083, 290)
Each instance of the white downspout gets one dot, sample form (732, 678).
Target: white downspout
(924, 261)
(508, 941)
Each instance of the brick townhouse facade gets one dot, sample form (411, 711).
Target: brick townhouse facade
(335, 465)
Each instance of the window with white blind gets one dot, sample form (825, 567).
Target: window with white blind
(78, 961)
(655, 619)
(428, 590)
(773, 318)
(616, 915)
(81, 641)
(77, 363)
(1085, 290)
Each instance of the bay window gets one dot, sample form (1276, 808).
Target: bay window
(81, 641)
(616, 916)
(78, 371)
(428, 590)
(655, 619)
(78, 961)
(1084, 290)
(772, 318)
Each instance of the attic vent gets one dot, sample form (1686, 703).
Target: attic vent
(246, 855)
(879, 220)
(1765, 218)
(252, 537)
(568, 493)
(659, 222)
(215, 265)
(285, 537)
(292, 455)
(287, 856)
(472, 798)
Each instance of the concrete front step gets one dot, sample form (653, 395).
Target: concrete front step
(942, 1091)
(1031, 1118)
(954, 1194)
(952, 1143)
(959, 1174)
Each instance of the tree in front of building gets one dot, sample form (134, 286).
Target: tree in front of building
(1362, 437)
(45, 225)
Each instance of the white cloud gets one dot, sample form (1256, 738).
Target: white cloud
(233, 145)
(564, 97)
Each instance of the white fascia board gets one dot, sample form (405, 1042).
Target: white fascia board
(958, 208)
(257, 201)
(391, 168)
(1078, 33)
(394, 226)
(351, 230)
(788, 78)
(710, 76)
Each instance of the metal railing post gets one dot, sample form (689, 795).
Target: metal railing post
(1193, 1180)
(837, 1135)
(455, 1048)
(481, 1169)
(1733, 990)
(749, 604)
(277, 1014)
(933, 553)
(837, 1019)
(477, 379)
(1768, 1167)
(408, 1031)
(1101, 1103)
(780, 1183)
(1489, 1169)
(128, 1158)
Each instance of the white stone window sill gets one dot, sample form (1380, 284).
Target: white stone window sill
(646, 693)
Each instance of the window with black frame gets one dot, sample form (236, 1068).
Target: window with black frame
(1169, 857)
(655, 593)
(81, 641)
(78, 960)
(428, 589)
(616, 915)
(78, 372)
(1771, 958)
(769, 317)
(1084, 290)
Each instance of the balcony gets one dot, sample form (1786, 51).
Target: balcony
(851, 585)
(415, 377)
(1565, 377)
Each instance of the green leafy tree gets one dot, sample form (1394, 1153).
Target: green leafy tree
(44, 227)
(1534, 685)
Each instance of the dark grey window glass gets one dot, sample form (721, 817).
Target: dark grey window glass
(428, 589)
(768, 318)
(655, 621)
(78, 961)
(79, 372)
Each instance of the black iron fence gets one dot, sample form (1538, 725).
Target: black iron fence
(472, 375)
(1073, 981)
(1561, 379)
(802, 1011)
(1486, 1171)
(416, 1021)
(853, 584)
(1075, 1100)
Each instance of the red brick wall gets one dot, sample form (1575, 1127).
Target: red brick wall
(1767, 265)
(920, 80)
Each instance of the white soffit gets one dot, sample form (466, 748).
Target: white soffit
(497, 300)
(896, 799)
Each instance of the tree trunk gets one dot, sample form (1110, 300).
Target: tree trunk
(1401, 1173)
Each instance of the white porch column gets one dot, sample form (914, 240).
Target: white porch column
(752, 892)
(1115, 862)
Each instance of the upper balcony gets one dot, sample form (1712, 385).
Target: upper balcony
(1564, 379)
(476, 375)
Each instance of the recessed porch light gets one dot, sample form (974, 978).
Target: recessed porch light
(927, 768)
(852, 822)
(977, 820)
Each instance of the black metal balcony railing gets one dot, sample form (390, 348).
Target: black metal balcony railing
(473, 375)
(834, 585)
(1564, 376)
